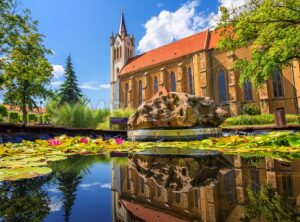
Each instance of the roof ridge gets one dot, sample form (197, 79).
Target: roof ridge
(178, 40)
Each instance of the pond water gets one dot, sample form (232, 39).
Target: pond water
(205, 186)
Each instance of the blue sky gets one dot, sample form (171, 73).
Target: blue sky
(82, 28)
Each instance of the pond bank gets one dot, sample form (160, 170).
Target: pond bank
(16, 133)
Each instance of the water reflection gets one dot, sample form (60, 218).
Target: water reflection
(145, 187)
(208, 188)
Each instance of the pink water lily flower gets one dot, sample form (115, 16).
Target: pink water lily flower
(119, 141)
(84, 140)
(54, 142)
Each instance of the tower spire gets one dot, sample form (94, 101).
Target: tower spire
(122, 29)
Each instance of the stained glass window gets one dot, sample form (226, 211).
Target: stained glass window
(222, 87)
(173, 82)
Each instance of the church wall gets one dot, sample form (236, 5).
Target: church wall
(261, 97)
(163, 74)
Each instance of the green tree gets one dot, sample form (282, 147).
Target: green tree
(270, 28)
(266, 203)
(27, 72)
(10, 26)
(69, 91)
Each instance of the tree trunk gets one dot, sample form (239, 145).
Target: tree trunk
(24, 110)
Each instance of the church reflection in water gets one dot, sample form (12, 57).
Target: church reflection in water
(206, 188)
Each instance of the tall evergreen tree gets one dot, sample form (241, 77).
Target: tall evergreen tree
(69, 91)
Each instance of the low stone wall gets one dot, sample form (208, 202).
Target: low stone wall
(17, 133)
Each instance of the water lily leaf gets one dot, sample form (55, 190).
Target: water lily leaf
(23, 173)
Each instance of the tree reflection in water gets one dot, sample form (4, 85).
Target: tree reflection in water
(24, 201)
(28, 200)
(69, 175)
(266, 203)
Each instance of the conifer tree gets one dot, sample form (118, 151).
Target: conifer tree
(69, 91)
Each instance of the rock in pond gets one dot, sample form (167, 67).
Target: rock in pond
(176, 110)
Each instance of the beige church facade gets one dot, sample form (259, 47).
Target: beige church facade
(194, 65)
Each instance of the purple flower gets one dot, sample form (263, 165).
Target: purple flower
(119, 141)
(54, 142)
(84, 140)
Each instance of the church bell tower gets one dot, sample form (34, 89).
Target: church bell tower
(122, 48)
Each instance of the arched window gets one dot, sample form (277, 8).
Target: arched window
(222, 87)
(142, 185)
(248, 91)
(158, 191)
(177, 197)
(126, 94)
(140, 93)
(277, 84)
(191, 82)
(173, 82)
(155, 85)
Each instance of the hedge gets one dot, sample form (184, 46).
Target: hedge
(264, 119)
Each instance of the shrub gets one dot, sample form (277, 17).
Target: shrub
(46, 118)
(257, 120)
(251, 109)
(122, 113)
(1, 119)
(3, 111)
(14, 117)
(78, 116)
(32, 117)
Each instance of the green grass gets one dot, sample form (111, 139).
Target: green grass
(265, 119)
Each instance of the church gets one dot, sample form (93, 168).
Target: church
(196, 66)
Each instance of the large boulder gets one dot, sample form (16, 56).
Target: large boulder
(176, 110)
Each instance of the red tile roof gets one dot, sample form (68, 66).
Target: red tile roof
(215, 37)
(149, 215)
(186, 46)
(39, 110)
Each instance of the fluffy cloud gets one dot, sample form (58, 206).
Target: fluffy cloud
(170, 26)
(55, 204)
(94, 86)
(94, 186)
(213, 17)
(56, 84)
(58, 71)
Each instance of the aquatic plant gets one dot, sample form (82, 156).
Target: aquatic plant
(119, 141)
(30, 159)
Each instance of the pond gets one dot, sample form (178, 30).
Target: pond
(157, 186)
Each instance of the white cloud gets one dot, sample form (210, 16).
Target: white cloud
(58, 71)
(56, 84)
(94, 86)
(229, 4)
(93, 186)
(169, 26)
(56, 204)
(54, 190)
(106, 186)
(105, 86)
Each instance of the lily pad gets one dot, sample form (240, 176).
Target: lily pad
(23, 173)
